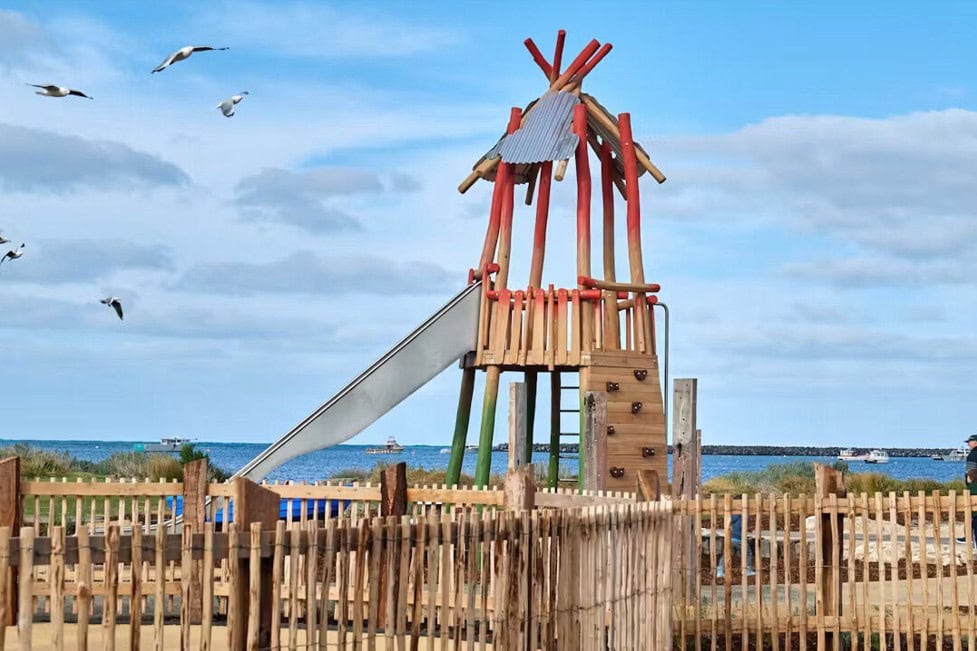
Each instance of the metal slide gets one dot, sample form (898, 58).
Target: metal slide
(438, 342)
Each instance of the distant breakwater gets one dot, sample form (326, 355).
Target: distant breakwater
(767, 450)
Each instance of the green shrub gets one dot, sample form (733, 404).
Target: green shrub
(36, 463)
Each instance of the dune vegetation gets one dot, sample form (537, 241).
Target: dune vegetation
(798, 477)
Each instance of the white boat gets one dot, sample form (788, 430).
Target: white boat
(445, 450)
(847, 454)
(391, 447)
(877, 456)
(166, 444)
(960, 454)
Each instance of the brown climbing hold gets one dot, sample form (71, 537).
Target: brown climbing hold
(636, 407)
(641, 374)
(613, 386)
(610, 430)
(647, 452)
(617, 472)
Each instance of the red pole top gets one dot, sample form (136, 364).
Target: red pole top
(558, 55)
(538, 57)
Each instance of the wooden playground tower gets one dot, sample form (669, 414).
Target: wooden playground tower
(601, 328)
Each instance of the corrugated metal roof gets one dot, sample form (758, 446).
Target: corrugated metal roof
(547, 134)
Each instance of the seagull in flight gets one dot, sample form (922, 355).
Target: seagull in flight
(184, 53)
(227, 106)
(114, 303)
(12, 254)
(3, 240)
(50, 90)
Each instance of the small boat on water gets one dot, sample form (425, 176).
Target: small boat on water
(877, 456)
(936, 457)
(847, 454)
(445, 450)
(960, 454)
(391, 447)
(166, 444)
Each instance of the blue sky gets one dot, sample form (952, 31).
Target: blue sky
(816, 239)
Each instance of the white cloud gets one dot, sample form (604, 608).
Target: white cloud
(304, 272)
(34, 159)
(318, 30)
(897, 187)
(74, 261)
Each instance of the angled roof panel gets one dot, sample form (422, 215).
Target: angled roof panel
(546, 135)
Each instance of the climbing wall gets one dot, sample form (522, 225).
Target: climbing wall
(635, 435)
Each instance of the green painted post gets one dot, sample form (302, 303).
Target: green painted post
(553, 476)
(532, 382)
(462, 419)
(483, 464)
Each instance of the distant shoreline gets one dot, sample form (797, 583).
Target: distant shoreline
(772, 450)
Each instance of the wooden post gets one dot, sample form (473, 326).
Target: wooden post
(194, 504)
(685, 474)
(685, 443)
(593, 444)
(649, 488)
(253, 504)
(483, 462)
(520, 489)
(393, 490)
(532, 385)
(828, 481)
(10, 517)
(517, 425)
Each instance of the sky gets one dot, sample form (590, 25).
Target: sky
(816, 240)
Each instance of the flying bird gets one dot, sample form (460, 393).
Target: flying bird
(3, 240)
(184, 53)
(58, 91)
(12, 254)
(114, 303)
(227, 106)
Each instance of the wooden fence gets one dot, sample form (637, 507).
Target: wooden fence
(862, 571)
(576, 578)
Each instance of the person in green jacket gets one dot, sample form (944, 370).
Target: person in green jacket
(970, 477)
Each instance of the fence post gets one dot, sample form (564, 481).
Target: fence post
(519, 489)
(649, 488)
(393, 502)
(10, 509)
(253, 503)
(518, 425)
(194, 504)
(685, 475)
(593, 452)
(828, 481)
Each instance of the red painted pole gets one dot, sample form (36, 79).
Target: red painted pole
(495, 215)
(542, 216)
(583, 191)
(577, 63)
(558, 55)
(612, 326)
(585, 70)
(508, 205)
(538, 58)
(634, 227)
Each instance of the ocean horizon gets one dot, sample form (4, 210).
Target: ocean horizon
(319, 465)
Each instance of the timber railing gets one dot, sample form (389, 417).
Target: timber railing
(860, 571)
(594, 577)
(561, 327)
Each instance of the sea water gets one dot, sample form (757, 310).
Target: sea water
(336, 460)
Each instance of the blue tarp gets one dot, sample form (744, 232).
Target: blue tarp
(323, 508)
